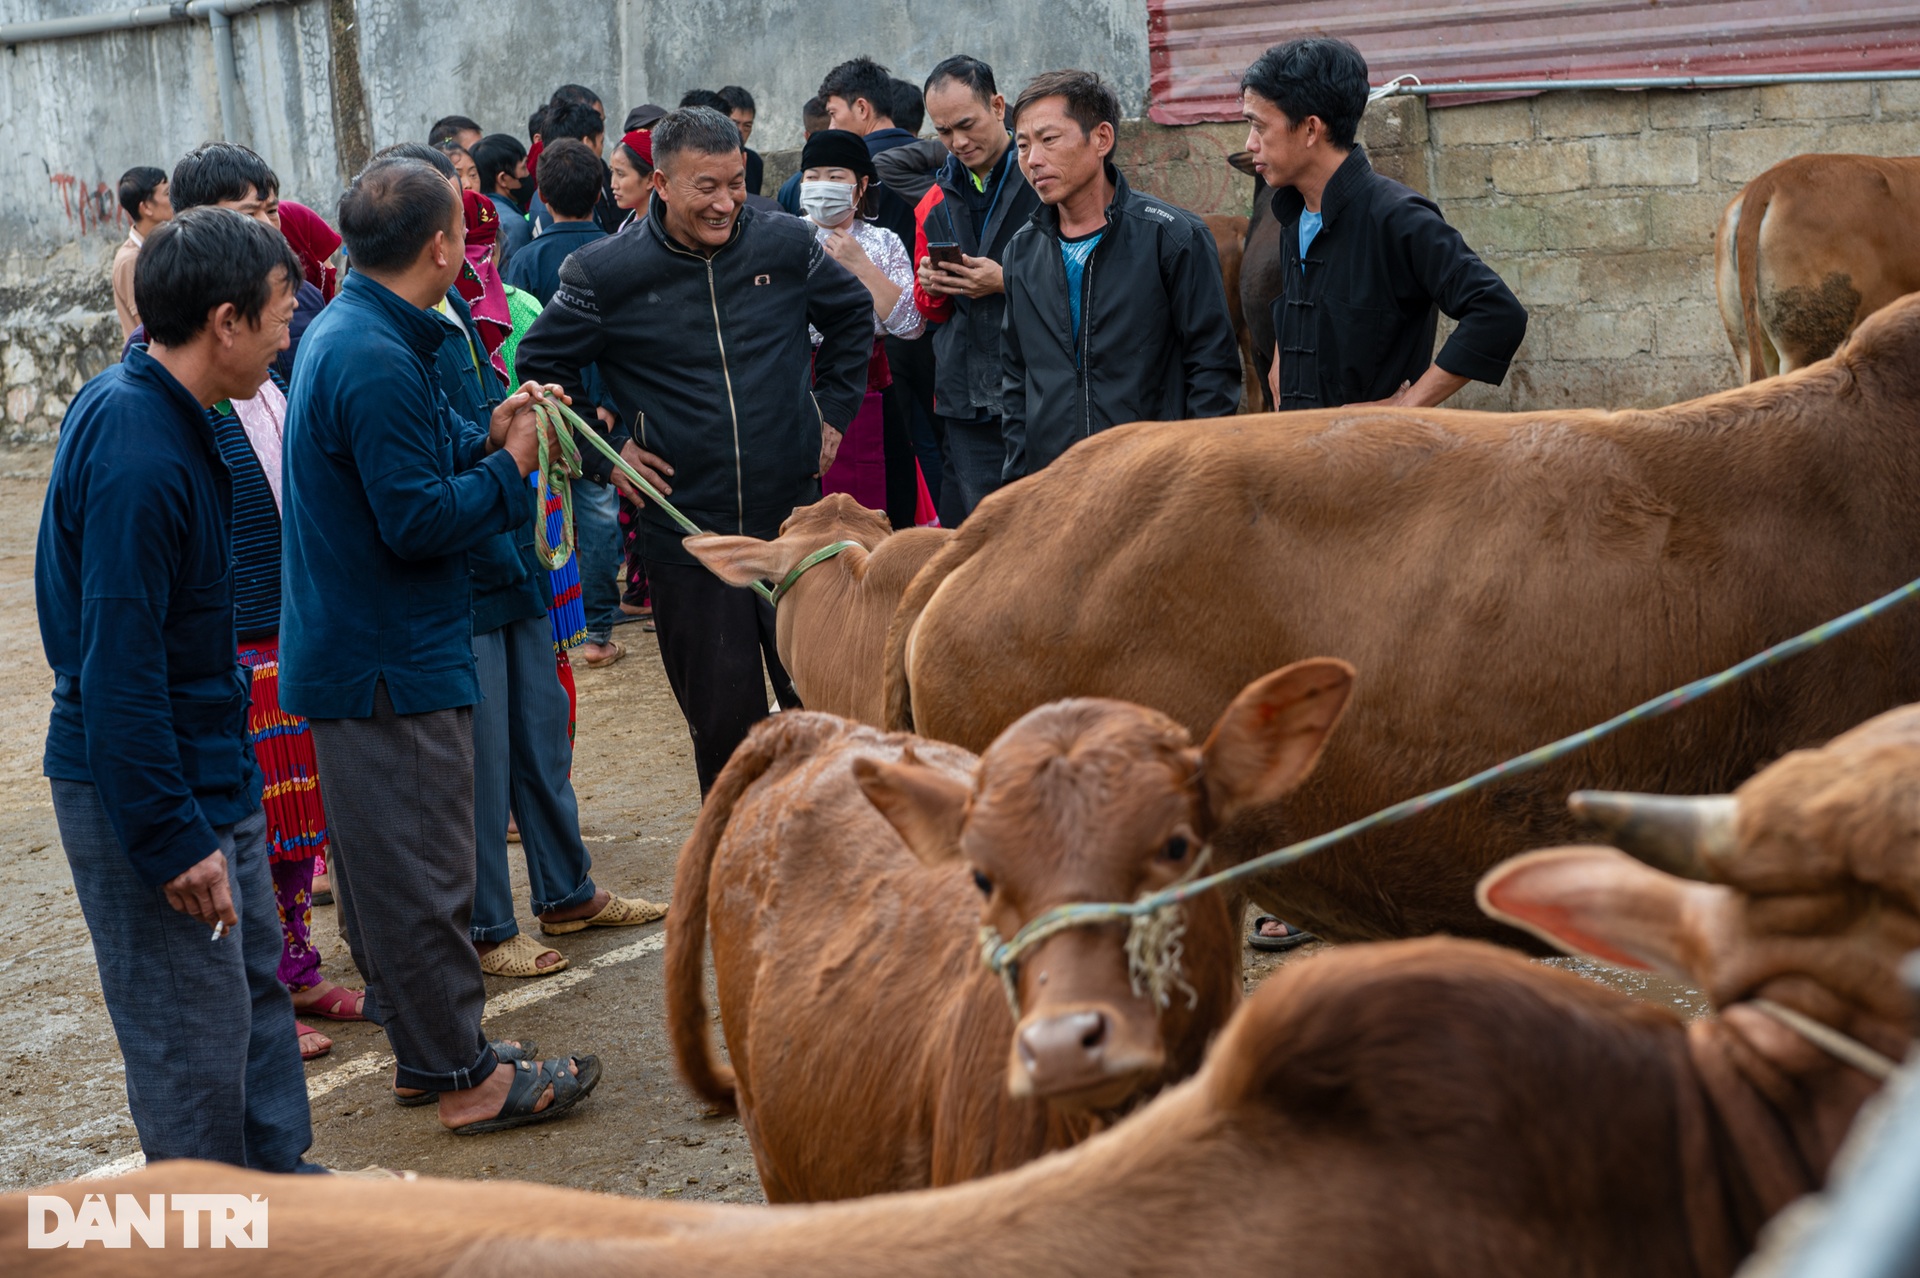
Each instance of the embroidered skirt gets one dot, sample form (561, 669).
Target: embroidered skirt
(283, 747)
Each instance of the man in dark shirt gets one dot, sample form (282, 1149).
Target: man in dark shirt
(586, 125)
(697, 318)
(154, 787)
(386, 491)
(1367, 263)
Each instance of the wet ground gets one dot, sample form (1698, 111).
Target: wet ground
(62, 1092)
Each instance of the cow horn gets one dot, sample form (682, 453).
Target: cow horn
(1681, 834)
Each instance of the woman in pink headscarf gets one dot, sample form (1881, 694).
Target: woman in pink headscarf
(480, 285)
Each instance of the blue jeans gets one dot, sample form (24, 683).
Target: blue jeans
(521, 755)
(596, 532)
(206, 1028)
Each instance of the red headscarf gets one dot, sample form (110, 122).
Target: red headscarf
(480, 284)
(314, 241)
(640, 142)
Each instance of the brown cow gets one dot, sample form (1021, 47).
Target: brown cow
(1809, 249)
(1450, 1110)
(1261, 272)
(831, 627)
(1229, 236)
(870, 1049)
(1505, 579)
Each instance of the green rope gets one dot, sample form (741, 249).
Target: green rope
(1000, 957)
(799, 570)
(557, 466)
(566, 424)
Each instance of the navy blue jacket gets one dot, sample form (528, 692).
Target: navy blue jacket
(133, 582)
(507, 583)
(385, 488)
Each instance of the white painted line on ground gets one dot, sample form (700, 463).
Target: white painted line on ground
(379, 1062)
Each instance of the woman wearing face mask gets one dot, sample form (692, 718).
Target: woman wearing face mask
(632, 165)
(836, 181)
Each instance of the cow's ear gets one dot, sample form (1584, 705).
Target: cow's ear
(926, 807)
(1270, 737)
(741, 561)
(1602, 903)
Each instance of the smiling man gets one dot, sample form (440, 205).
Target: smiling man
(697, 320)
(1115, 308)
(154, 786)
(1367, 262)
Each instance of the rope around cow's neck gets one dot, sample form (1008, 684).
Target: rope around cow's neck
(1153, 941)
(557, 467)
(799, 570)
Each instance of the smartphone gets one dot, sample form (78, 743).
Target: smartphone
(943, 254)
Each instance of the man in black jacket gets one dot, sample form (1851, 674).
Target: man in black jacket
(697, 319)
(978, 200)
(1367, 263)
(1115, 309)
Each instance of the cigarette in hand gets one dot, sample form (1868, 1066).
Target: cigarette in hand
(219, 930)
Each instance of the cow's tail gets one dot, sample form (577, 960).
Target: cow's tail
(898, 708)
(686, 993)
(1746, 263)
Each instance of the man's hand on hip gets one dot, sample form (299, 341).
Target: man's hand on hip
(203, 893)
(655, 469)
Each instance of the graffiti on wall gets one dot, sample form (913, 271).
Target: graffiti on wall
(90, 207)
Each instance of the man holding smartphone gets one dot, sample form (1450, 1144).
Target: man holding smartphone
(978, 200)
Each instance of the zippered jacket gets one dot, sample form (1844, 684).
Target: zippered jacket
(966, 330)
(1155, 343)
(709, 357)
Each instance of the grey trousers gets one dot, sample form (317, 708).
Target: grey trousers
(399, 798)
(522, 755)
(206, 1028)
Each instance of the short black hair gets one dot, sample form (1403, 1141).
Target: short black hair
(137, 186)
(493, 155)
(706, 98)
(1090, 103)
(1315, 75)
(738, 99)
(967, 70)
(428, 155)
(569, 177)
(578, 94)
(537, 122)
(909, 108)
(449, 127)
(204, 258)
(393, 210)
(573, 120)
(216, 171)
(860, 78)
(815, 112)
(701, 130)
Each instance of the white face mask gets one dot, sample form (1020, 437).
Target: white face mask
(828, 203)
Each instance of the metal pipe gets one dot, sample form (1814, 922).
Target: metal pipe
(220, 27)
(152, 15)
(1641, 82)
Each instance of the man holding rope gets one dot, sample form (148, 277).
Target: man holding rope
(697, 320)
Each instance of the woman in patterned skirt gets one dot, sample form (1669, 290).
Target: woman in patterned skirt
(249, 434)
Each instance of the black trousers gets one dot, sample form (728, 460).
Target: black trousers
(715, 640)
(910, 427)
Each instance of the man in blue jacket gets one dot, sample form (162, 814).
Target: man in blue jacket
(154, 788)
(386, 490)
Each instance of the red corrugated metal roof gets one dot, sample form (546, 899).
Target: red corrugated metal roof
(1200, 47)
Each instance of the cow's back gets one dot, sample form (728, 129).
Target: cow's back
(1498, 581)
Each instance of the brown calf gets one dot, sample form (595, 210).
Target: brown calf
(1432, 1107)
(1504, 579)
(831, 628)
(1809, 249)
(840, 872)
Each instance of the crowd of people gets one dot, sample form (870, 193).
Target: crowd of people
(309, 485)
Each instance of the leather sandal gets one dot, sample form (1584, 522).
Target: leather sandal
(507, 1052)
(529, 1081)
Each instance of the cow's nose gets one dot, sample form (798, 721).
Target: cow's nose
(1065, 1052)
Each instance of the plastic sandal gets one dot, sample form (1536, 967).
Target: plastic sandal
(301, 1031)
(619, 911)
(329, 1006)
(529, 1081)
(1277, 944)
(520, 956)
(509, 1052)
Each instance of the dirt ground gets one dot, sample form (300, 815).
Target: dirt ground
(63, 1110)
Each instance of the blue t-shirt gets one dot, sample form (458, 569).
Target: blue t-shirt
(1073, 255)
(1309, 227)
